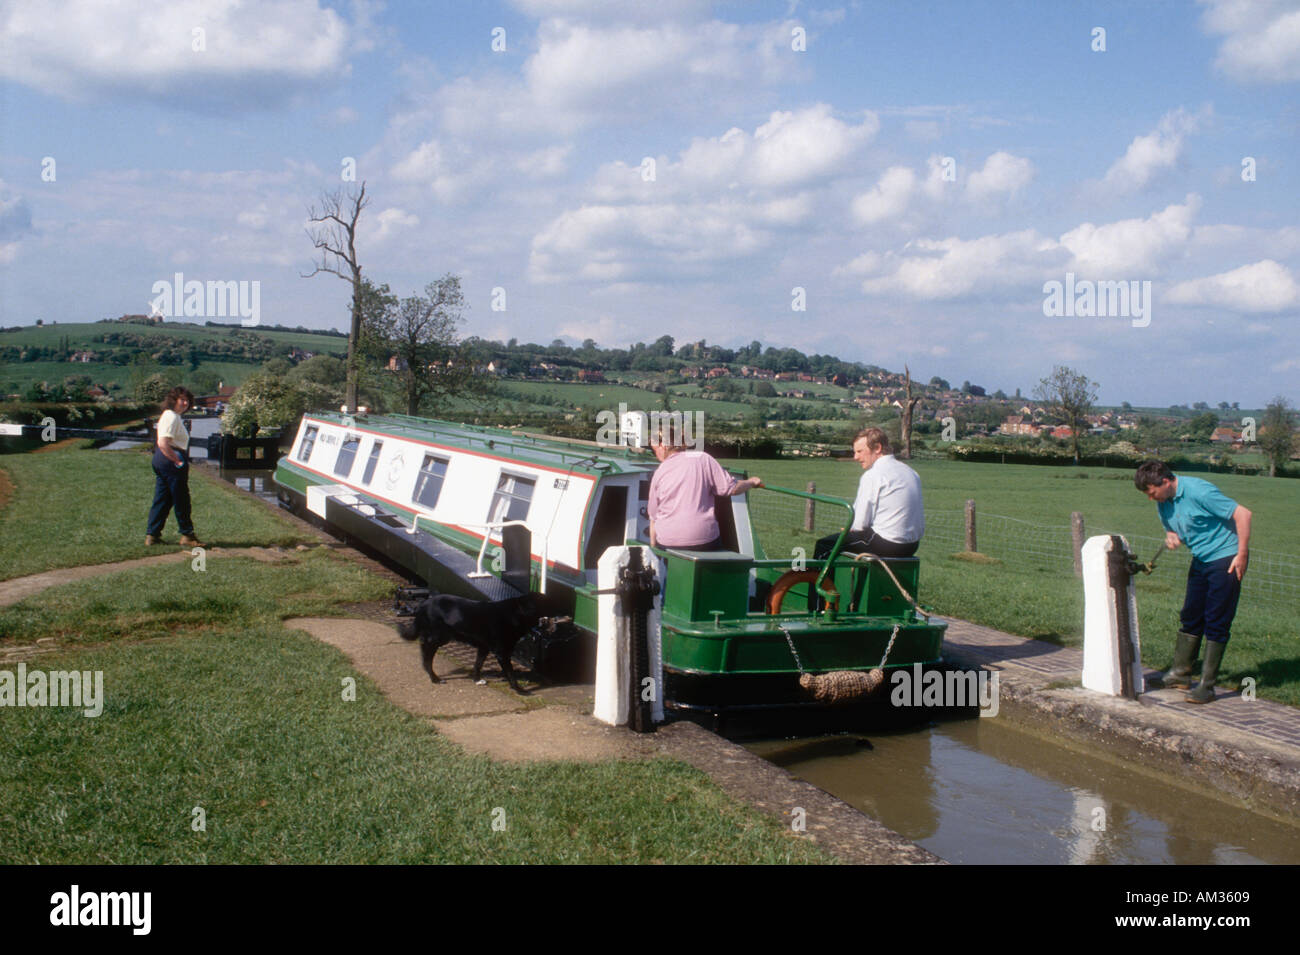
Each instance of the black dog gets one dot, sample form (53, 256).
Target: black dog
(490, 627)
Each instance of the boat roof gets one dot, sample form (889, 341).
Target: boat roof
(579, 456)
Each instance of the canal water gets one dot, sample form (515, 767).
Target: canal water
(985, 791)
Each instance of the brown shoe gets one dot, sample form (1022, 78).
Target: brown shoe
(150, 540)
(189, 540)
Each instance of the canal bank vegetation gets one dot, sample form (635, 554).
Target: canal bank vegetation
(226, 738)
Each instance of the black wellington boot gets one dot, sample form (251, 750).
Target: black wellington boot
(1204, 692)
(1180, 671)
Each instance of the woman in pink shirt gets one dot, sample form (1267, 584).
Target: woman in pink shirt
(682, 493)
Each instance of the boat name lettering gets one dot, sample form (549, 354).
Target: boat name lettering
(561, 484)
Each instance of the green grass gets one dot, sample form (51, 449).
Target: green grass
(211, 703)
(16, 378)
(75, 507)
(83, 335)
(596, 397)
(1032, 590)
(250, 725)
(228, 593)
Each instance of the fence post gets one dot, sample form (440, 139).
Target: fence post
(1076, 536)
(970, 527)
(808, 507)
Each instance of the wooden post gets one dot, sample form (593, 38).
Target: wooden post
(970, 527)
(1076, 536)
(808, 507)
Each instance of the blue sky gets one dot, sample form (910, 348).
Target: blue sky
(919, 170)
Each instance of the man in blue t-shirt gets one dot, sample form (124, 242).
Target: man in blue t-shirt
(1216, 529)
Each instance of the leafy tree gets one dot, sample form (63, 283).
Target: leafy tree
(278, 367)
(1070, 395)
(263, 402)
(940, 383)
(764, 389)
(1277, 434)
(153, 389)
(421, 333)
(1201, 428)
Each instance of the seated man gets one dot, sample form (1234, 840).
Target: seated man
(888, 517)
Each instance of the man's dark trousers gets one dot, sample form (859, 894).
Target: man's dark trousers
(1211, 600)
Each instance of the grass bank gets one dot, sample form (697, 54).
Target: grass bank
(75, 507)
(212, 705)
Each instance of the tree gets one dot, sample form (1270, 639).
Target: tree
(909, 405)
(1201, 427)
(1277, 434)
(264, 401)
(336, 238)
(940, 383)
(1069, 395)
(421, 332)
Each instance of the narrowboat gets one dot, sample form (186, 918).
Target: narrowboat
(490, 513)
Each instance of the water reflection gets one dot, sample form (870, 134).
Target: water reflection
(981, 791)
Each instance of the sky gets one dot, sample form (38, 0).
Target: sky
(892, 183)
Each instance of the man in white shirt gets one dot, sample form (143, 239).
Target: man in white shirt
(888, 516)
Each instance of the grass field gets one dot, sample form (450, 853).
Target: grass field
(16, 378)
(599, 397)
(83, 334)
(211, 704)
(1023, 522)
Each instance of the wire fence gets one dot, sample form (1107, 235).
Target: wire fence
(1272, 578)
(785, 522)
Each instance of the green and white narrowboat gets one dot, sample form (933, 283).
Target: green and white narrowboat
(489, 513)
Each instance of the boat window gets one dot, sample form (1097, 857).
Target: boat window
(510, 503)
(308, 439)
(371, 462)
(347, 455)
(429, 484)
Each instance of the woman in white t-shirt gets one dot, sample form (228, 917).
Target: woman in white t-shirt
(171, 464)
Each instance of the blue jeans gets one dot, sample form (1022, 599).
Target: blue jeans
(1211, 600)
(171, 489)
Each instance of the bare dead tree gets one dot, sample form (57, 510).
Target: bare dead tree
(335, 235)
(909, 405)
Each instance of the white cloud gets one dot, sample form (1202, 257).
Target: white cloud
(1266, 286)
(615, 10)
(791, 150)
(1003, 174)
(1154, 152)
(582, 73)
(1131, 246)
(650, 242)
(1261, 39)
(805, 146)
(15, 222)
(388, 222)
(888, 199)
(252, 55)
(954, 268)
(342, 116)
